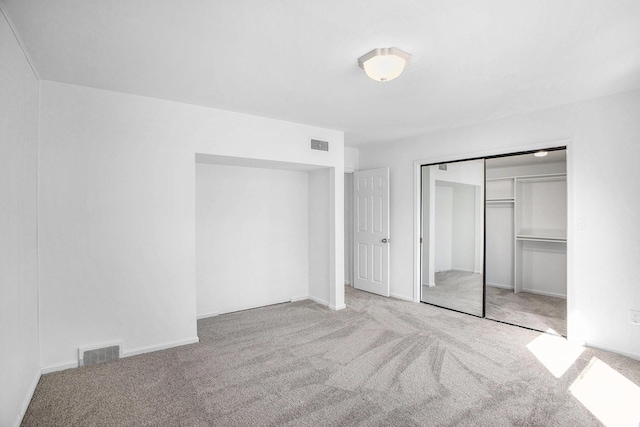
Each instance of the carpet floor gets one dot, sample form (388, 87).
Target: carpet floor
(457, 290)
(380, 362)
(534, 311)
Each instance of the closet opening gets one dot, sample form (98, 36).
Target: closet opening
(526, 240)
(493, 237)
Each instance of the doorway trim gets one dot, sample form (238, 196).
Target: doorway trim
(417, 203)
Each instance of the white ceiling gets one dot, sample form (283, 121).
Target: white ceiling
(296, 60)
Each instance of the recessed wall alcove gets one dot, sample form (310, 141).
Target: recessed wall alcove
(262, 233)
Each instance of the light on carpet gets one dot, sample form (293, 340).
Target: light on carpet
(608, 395)
(555, 352)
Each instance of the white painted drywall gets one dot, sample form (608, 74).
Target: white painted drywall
(319, 232)
(351, 159)
(456, 245)
(117, 212)
(348, 228)
(603, 177)
(443, 233)
(19, 365)
(251, 237)
(500, 245)
(426, 271)
(351, 164)
(464, 246)
(457, 173)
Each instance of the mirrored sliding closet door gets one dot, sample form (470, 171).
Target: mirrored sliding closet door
(453, 236)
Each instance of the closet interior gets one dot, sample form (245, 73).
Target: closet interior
(494, 238)
(526, 240)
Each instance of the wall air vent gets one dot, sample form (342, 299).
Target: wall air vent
(99, 354)
(316, 144)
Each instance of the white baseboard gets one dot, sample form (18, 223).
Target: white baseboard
(124, 353)
(318, 300)
(27, 399)
(207, 315)
(548, 294)
(252, 306)
(463, 270)
(402, 297)
(151, 348)
(612, 350)
(59, 367)
(498, 285)
(348, 283)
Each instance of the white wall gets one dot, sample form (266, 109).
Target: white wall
(443, 234)
(500, 245)
(117, 212)
(351, 164)
(351, 159)
(19, 367)
(251, 237)
(469, 173)
(603, 176)
(463, 245)
(348, 228)
(455, 227)
(319, 232)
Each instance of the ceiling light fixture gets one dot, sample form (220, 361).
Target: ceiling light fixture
(384, 64)
(541, 153)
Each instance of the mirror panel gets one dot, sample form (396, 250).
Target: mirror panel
(453, 236)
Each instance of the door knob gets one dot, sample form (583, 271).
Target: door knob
(385, 240)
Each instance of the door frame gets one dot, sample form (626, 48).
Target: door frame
(417, 209)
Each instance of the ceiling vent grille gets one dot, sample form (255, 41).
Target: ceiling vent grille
(316, 144)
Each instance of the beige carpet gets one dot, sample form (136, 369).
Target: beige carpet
(457, 290)
(526, 309)
(380, 362)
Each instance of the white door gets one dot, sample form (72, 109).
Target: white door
(371, 231)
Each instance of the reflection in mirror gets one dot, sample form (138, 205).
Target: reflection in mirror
(452, 235)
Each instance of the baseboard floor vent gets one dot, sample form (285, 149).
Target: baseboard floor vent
(93, 356)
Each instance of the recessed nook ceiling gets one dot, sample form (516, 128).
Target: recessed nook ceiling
(297, 60)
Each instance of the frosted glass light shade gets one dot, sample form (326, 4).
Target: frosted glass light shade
(384, 64)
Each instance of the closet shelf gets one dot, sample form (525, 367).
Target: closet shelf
(501, 200)
(539, 238)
